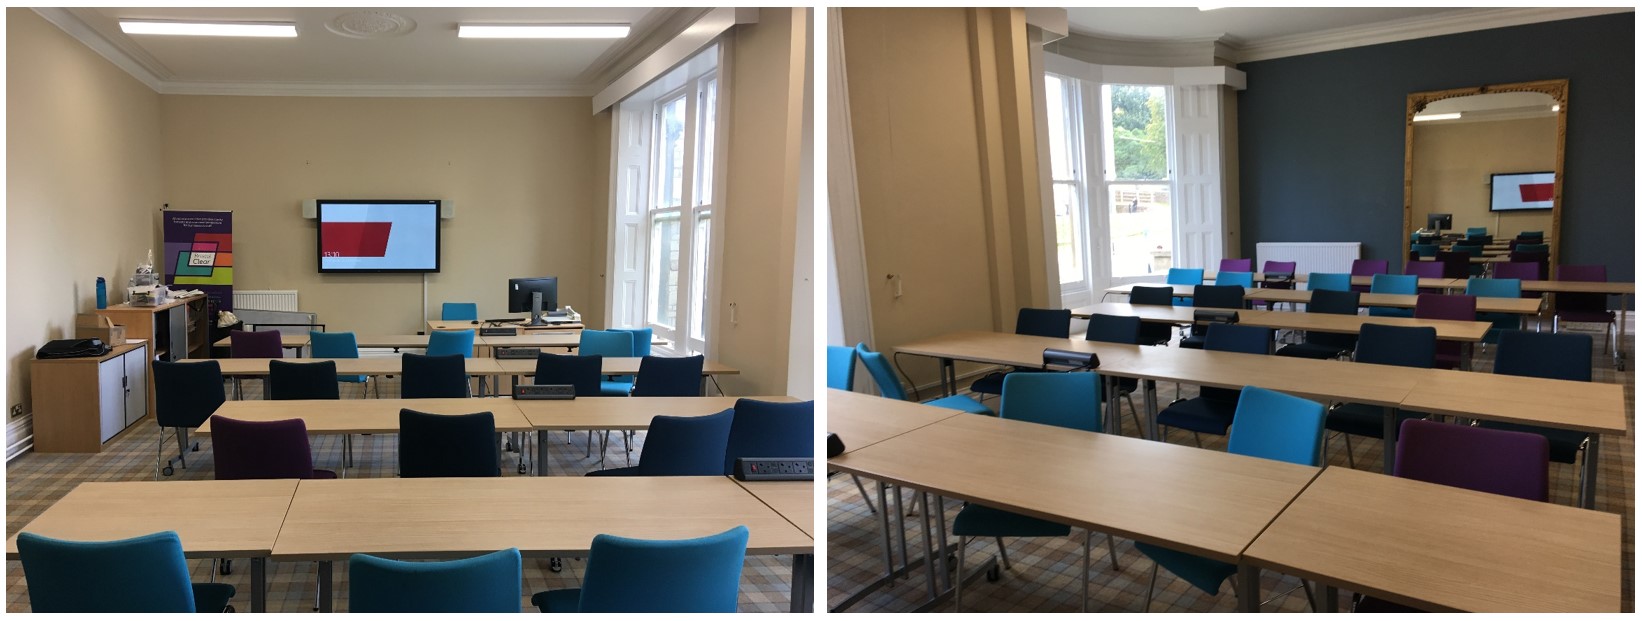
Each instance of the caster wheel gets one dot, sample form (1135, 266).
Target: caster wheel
(228, 609)
(227, 567)
(555, 565)
(508, 446)
(523, 469)
(168, 471)
(994, 574)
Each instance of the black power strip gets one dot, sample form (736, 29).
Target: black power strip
(498, 331)
(774, 469)
(517, 353)
(544, 391)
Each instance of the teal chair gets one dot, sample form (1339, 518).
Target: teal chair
(451, 343)
(140, 574)
(1476, 231)
(840, 367)
(1424, 250)
(488, 583)
(339, 345)
(609, 344)
(1328, 281)
(1243, 279)
(1184, 276)
(1546, 248)
(1269, 425)
(459, 311)
(642, 339)
(1396, 284)
(642, 575)
(1496, 288)
(1069, 400)
(890, 387)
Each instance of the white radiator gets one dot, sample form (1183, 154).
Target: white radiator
(1331, 257)
(266, 300)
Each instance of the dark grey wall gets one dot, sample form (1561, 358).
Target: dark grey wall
(1321, 135)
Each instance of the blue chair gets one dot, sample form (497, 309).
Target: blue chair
(1327, 281)
(1213, 409)
(769, 429)
(338, 345)
(639, 575)
(433, 377)
(1552, 355)
(1397, 284)
(840, 367)
(581, 372)
(1496, 288)
(447, 445)
(1153, 333)
(1242, 279)
(669, 377)
(609, 344)
(1389, 345)
(681, 446)
(488, 583)
(140, 574)
(642, 340)
(1424, 250)
(1184, 276)
(1212, 296)
(1068, 400)
(1476, 231)
(185, 394)
(459, 311)
(1126, 330)
(890, 386)
(1269, 425)
(1053, 323)
(1326, 345)
(1533, 248)
(451, 342)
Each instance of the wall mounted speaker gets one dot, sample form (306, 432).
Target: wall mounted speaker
(447, 210)
(309, 209)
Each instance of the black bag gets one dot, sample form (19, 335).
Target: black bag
(72, 348)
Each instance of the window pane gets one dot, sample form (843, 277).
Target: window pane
(663, 269)
(1142, 228)
(700, 244)
(1060, 161)
(704, 162)
(1068, 233)
(670, 163)
(1136, 130)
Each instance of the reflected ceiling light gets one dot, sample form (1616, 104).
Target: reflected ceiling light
(208, 29)
(1436, 117)
(1210, 8)
(541, 31)
(1556, 107)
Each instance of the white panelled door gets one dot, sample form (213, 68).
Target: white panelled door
(1199, 212)
(632, 181)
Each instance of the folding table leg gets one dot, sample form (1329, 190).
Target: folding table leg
(1587, 477)
(326, 596)
(1248, 588)
(1389, 428)
(259, 584)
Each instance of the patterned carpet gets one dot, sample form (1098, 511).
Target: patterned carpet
(35, 481)
(1046, 571)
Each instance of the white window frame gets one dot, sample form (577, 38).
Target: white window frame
(1079, 292)
(1101, 108)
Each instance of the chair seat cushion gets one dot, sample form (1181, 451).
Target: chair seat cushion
(982, 521)
(1205, 574)
(1314, 351)
(962, 403)
(1200, 415)
(212, 596)
(557, 600)
(630, 471)
(1565, 443)
(1364, 420)
(610, 388)
(992, 384)
(323, 474)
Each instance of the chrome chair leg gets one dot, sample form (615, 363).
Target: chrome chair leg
(863, 490)
(1111, 545)
(958, 578)
(1351, 457)
(1003, 552)
(1150, 587)
(1087, 554)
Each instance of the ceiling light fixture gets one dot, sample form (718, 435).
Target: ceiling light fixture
(208, 29)
(1210, 8)
(1436, 117)
(541, 31)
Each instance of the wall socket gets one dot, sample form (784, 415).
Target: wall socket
(16, 410)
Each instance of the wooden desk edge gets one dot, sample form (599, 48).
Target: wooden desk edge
(743, 486)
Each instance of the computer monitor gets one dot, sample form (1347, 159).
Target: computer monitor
(522, 296)
(1439, 222)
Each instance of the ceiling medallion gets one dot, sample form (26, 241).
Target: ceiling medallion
(371, 25)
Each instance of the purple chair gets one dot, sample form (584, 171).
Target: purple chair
(1584, 307)
(1279, 267)
(1423, 269)
(1455, 307)
(244, 344)
(263, 450)
(1368, 267)
(1541, 259)
(1524, 271)
(1236, 265)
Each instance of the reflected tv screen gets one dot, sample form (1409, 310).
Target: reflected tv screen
(378, 236)
(1523, 191)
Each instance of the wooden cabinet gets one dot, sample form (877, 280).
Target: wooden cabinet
(80, 403)
(175, 330)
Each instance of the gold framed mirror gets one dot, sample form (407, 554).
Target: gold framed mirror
(1481, 155)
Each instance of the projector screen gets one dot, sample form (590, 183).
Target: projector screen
(378, 236)
(1523, 191)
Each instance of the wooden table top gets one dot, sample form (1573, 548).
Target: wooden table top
(233, 519)
(545, 339)
(862, 420)
(794, 500)
(1519, 306)
(622, 412)
(435, 324)
(1499, 258)
(374, 365)
(1203, 502)
(1011, 349)
(285, 340)
(1445, 549)
(1570, 286)
(1594, 407)
(612, 366)
(365, 415)
(1447, 330)
(541, 516)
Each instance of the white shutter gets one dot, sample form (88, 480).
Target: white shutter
(1199, 211)
(628, 244)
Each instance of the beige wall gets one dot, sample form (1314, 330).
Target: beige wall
(521, 173)
(83, 184)
(1453, 161)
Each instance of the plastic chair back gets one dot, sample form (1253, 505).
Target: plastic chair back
(1369, 267)
(889, 386)
(1070, 400)
(242, 344)
(1235, 265)
(140, 574)
(451, 342)
(447, 445)
(687, 446)
(459, 311)
(1424, 250)
(1405, 284)
(261, 450)
(1273, 425)
(1475, 231)
(1238, 338)
(335, 345)
(1114, 329)
(1241, 279)
(1050, 322)
(1496, 461)
(1333, 302)
(840, 367)
(1454, 264)
(1217, 296)
(1546, 248)
(582, 372)
(607, 343)
(769, 429)
(1520, 271)
(1397, 345)
(1279, 267)
(1494, 287)
(1184, 276)
(488, 583)
(302, 380)
(1586, 303)
(1156, 296)
(669, 377)
(1423, 269)
(1553, 355)
(1324, 281)
(691, 575)
(1455, 307)
(186, 393)
(433, 377)
(643, 338)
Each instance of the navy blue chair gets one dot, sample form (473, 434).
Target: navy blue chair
(488, 583)
(581, 372)
(840, 367)
(1153, 333)
(640, 575)
(140, 574)
(1389, 345)
(433, 377)
(1124, 330)
(1326, 345)
(681, 446)
(459, 311)
(1551, 355)
(890, 387)
(302, 380)
(1054, 323)
(1212, 296)
(185, 394)
(1213, 409)
(770, 429)
(669, 377)
(448, 445)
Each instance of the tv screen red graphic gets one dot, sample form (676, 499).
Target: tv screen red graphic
(1522, 191)
(355, 239)
(1535, 192)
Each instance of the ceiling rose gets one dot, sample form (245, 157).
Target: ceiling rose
(371, 25)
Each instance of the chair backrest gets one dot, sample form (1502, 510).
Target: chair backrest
(1455, 307)
(1494, 287)
(1402, 346)
(1586, 302)
(643, 338)
(1474, 231)
(1241, 279)
(433, 377)
(1123, 329)
(1235, 265)
(669, 377)
(1324, 281)
(1279, 267)
(242, 344)
(1273, 425)
(769, 429)
(1523, 271)
(840, 367)
(1532, 234)
(459, 311)
(186, 393)
(1238, 338)
(1496, 461)
(582, 372)
(447, 445)
(1424, 250)
(1333, 302)
(1423, 269)
(1469, 250)
(1400, 284)
(641, 575)
(451, 342)
(1050, 322)
(686, 446)
(302, 380)
(607, 343)
(1546, 248)
(1184, 276)
(1467, 241)
(1156, 296)
(1217, 296)
(1554, 355)
(488, 583)
(1070, 400)
(276, 449)
(333, 344)
(140, 574)
(1369, 267)
(882, 374)
(1454, 264)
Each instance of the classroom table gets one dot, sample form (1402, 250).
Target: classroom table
(565, 340)
(1515, 306)
(329, 520)
(864, 420)
(614, 413)
(286, 341)
(435, 325)
(1625, 291)
(214, 519)
(1447, 330)
(795, 501)
(1208, 503)
(1444, 549)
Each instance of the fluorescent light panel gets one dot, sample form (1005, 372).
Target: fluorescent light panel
(1436, 117)
(209, 29)
(541, 31)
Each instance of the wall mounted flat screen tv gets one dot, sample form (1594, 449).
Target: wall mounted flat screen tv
(378, 235)
(1522, 191)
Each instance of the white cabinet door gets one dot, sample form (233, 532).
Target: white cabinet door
(136, 384)
(111, 397)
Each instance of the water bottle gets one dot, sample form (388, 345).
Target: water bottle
(102, 293)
